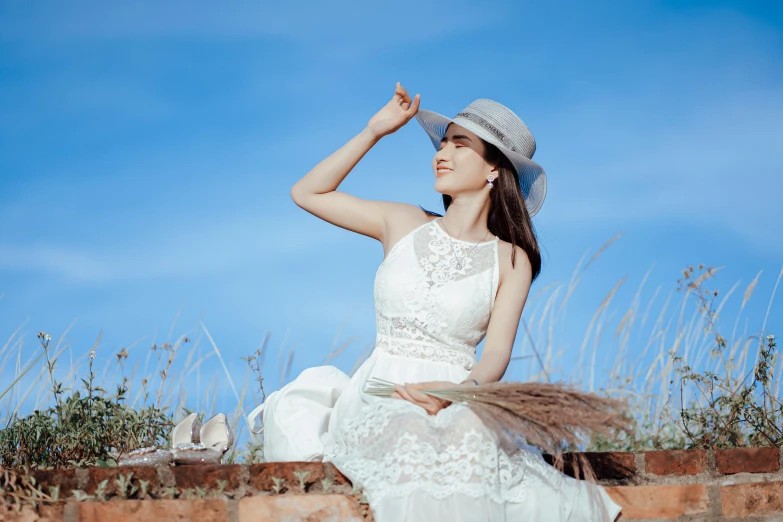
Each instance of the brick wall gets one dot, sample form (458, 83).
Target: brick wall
(722, 485)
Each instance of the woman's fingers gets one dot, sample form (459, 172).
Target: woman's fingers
(414, 107)
(397, 98)
(404, 100)
(405, 97)
(402, 392)
(418, 395)
(421, 400)
(402, 93)
(412, 393)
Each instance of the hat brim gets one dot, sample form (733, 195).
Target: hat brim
(532, 178)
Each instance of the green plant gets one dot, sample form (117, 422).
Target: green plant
(125, 488)
(648, 433)
(301, 476)
(278, 484)
(732, 412)
(254, 448)
(18, 489)
(89, 428)
(718, 407)
(222, 484)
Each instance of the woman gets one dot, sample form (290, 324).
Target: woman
(446, 283)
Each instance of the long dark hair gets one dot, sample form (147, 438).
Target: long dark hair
(508, 217)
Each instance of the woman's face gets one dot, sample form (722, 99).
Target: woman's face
(459, 165)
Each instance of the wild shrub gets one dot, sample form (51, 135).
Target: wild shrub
(732, 412)
(726, 411)
(86, 428)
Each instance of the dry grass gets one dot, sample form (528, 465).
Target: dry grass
(550, 416)
(624, 352)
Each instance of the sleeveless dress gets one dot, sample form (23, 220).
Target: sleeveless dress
(411, 465)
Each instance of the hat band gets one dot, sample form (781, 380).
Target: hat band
(490, 127)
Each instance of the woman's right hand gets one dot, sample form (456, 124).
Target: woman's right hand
(394, 114)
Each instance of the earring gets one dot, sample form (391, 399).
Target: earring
(490, 179)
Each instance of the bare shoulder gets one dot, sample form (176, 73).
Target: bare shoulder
(401, 218)
(522, 268)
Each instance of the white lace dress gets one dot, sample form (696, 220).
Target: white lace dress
(414, 466)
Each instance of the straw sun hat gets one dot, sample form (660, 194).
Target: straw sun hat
(498, 125)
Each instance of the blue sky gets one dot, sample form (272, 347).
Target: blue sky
(147, 150)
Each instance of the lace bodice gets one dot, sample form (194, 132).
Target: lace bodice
(427, 307)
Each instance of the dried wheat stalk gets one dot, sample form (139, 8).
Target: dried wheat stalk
(547, 415)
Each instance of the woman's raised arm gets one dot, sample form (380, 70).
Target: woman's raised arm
(317, 191)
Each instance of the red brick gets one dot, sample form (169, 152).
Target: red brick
(44, 513)
(675, 462)
(748, 460)
(660, 501)
(97, 475)
(755, 498)
(207, 476)
(65, 478)
(261, 476)
(196, 510)
(606, 465)
(310, 507)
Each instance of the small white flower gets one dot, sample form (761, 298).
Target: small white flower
(770, 338)
(47, 337)
(92, 355)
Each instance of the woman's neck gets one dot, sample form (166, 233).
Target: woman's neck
(466, 226)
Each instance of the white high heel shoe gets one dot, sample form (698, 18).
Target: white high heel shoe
(216, 437)
(216, 433)
(187, 432)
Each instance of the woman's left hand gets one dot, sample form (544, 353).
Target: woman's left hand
(411, 392)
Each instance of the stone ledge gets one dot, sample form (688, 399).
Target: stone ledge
(722, 485)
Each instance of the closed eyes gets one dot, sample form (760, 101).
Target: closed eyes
(444, 139)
